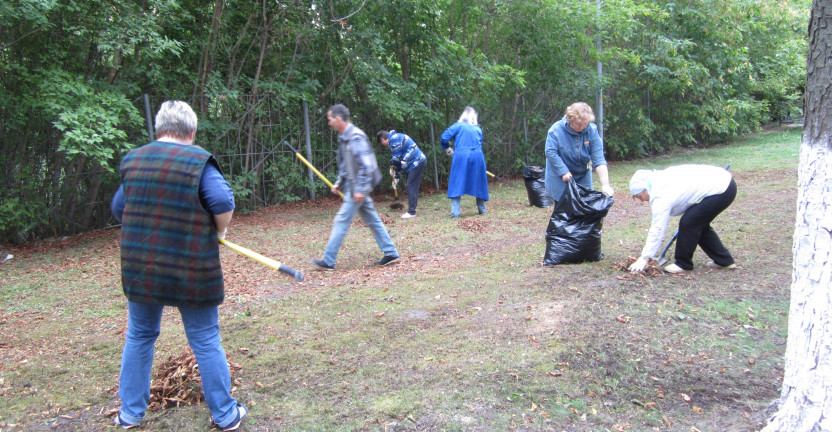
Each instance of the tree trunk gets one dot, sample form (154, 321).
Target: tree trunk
(255, 91)
(232, 73)
(206, 63)
(806, 400)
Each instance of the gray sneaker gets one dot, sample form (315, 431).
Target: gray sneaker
(322, 265)
(714, 265)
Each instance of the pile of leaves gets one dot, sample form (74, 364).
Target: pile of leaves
(653, 269)
(177, 382)
(470, 224)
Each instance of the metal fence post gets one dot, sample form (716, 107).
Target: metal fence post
(308, 148)
(147, 118)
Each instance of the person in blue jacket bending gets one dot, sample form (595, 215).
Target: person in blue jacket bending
(468, 175)
(571, 144)
(406, 157)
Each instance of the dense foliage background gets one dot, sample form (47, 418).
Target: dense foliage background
(75, 73)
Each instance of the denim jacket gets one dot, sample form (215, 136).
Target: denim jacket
(357, 166)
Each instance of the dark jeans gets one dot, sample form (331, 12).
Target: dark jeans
(695, 229)
(414, 179)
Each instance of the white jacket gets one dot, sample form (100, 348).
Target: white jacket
(675, 189)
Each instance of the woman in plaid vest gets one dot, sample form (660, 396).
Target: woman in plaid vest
(173, 204)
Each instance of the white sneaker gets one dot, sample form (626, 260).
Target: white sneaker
(408, 216)
(674, 269)
(714, 265)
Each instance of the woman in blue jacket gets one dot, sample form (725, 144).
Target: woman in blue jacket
(468, 175)
(571, 144)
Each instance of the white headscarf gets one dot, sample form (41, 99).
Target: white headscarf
(640, 181)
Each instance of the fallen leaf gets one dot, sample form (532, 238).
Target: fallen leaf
(684, 397)
(380, 314)
(622, 319)
(697, 410)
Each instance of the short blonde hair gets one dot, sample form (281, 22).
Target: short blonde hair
(580, 111)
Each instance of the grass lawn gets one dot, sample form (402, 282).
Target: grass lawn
(468, 332)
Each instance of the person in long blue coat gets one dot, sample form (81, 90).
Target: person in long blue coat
(468, 176)
(571, 144)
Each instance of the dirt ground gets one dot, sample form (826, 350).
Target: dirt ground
(670, 371)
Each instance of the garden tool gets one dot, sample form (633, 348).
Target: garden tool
(491, 174)
(662, 259)
(396, 204)
(318, 173)
(297, 274)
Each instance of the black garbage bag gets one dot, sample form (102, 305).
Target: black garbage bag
(574, 231)
(536, 186)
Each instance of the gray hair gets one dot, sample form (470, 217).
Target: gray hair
(176, 119)
(469, 115)
(340, 110)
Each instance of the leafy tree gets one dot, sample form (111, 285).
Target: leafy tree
(690, 73)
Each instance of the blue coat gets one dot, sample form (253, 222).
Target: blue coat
(468, 175)
(570, 151)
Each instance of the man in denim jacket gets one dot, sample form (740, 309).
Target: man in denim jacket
(358, 174)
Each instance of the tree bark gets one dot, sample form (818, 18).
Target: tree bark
(806, 400)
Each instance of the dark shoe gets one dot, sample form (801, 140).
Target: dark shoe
(124, 425)
(322, 265)
(388, 259)
(241, 412)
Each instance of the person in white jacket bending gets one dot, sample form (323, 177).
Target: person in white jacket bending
(696, 192)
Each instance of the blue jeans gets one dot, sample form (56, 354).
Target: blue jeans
(342, 223)
(203, 331)
(414, 179)
(455, 206)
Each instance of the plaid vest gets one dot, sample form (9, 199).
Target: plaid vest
(169, 250)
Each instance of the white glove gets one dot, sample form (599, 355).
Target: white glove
(639, 265)
(221, 235)
(449, 151)
(395, 183)
(607, 190)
